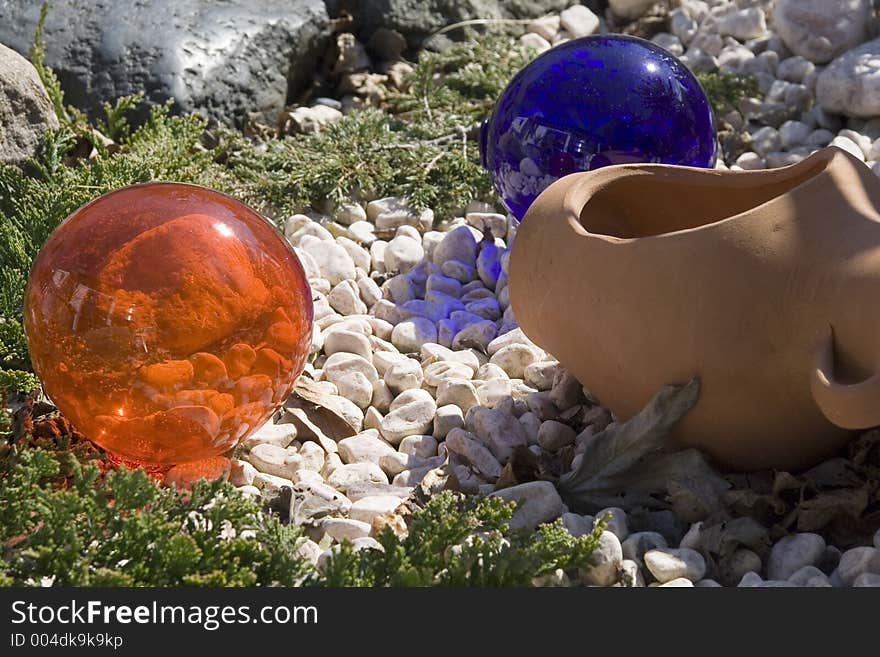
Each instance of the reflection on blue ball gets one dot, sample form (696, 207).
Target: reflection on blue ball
(591, 102)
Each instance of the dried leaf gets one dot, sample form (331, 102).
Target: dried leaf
(631, 464)
(833, 473)
(317, 415)
(826, 507)
(307, 429)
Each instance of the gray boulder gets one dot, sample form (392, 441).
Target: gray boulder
(26, 112)
(416, 20)
(222, 58)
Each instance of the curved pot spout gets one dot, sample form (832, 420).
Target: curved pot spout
(847, 405)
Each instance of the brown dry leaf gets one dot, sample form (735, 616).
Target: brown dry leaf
(317, 415)
(821, 510)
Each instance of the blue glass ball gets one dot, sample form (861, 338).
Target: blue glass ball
(591, 102)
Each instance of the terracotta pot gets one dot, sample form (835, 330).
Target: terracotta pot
(764, 284)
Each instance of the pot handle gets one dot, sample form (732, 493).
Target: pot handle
(849, 406)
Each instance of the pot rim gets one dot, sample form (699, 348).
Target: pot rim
(590, 183)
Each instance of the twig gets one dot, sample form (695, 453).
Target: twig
(483, 21)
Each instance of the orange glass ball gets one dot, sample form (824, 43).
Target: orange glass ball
(167, 321)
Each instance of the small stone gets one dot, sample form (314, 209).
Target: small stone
(540, 503)
(421, 446)
(345, 529)
(792, 553)
(274, 460)
(545, 26)
(566, 391)
(636, 544)
(458, 245)
(850, 85)
(540, 374)
(809, 576)
(364, 447)
(280, 435)
(856, 561)
(366, 508)
(604, 562)
(403, 375)
(749, 161)
(395, 463)
(743, 24)
(579, 21)
(340, 364)
(403, 253)
(460, 392)
(820, 30)
(409, 335)
(446, 419)
(332, 260)
(498, 431)
(477, 335)
(678, 582)
(356, 388)
(241, 473)
(534, 41)
(354, 473)
(794, 133)
(554, 435)
(514, 358)
(349, 213)
(666, 564)
(734, 568)
(440, 371)
(413, 418)
(341, 340)
(630, 9)
(616, 522)
(313, 457)
(269, 483)
(577, 525)
(766, 140)
(466, 444)
(867, 580)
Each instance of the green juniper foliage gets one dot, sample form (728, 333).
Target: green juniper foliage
(462, 541)
(63, 523)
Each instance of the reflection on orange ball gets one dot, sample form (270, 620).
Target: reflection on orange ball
(167, 321)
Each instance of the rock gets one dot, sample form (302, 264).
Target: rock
(540, 374)
(867, 580)
(416, 21)
(341, 363)
(394, 464)
(26, 113)
(460, 392)
(566, 391)
(350, 213)
(352, 342)
(794, 133)
(629, 575)
(403, 253)
(809, 576)
(345, 529)
(477, 335)
(554, 435)
(308, 120)
(413, 417)
(743, 24)
(403, 375)
(540, 503)
(458, 245)
(268, 483)
(765, 140)
(500, 432)
(820, 30)
(332, 260)
(636, 544)
(225, 60)
(792, 553)
(440, 371)
(630, 9)
(446, 419)
(577, 525)
(850, 85)
(365, 447)
(678, 582)
(421, 446)
(579, 21)
(387, 44)
(313, 457)
(275, 460)
(735, 567)
(466, 444)
(367, 508)
(856, 561)
(604, 562)
(616, 522)
(274, 434)
(666, 564)
(514, 358)
(241, 473)
(409, 335)
(349, 474)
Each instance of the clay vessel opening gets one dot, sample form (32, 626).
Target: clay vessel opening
(650, 204)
